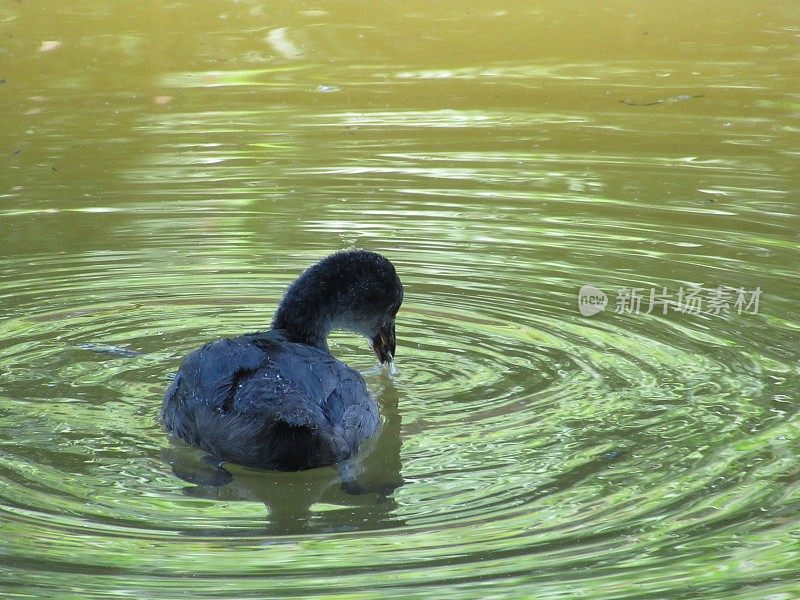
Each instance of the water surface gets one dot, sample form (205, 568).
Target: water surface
(166, 169)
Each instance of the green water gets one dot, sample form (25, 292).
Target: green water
(167, 168)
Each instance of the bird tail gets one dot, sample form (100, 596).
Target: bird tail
(296, 441)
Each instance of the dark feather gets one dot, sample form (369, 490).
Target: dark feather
(278, 399)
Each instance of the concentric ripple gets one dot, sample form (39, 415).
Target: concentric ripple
(520, 437)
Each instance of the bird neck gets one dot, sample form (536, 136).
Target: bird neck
(309, 311)
(302, 324)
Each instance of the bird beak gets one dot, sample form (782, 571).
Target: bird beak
(384, 343)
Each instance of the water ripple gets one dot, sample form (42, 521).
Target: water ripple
(526, 450)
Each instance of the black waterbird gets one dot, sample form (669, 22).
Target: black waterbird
(278, 399)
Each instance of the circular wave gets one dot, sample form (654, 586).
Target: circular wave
(516, 430)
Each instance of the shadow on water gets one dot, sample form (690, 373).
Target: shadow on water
(304, 502)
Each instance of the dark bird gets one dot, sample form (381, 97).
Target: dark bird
(278, 399)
